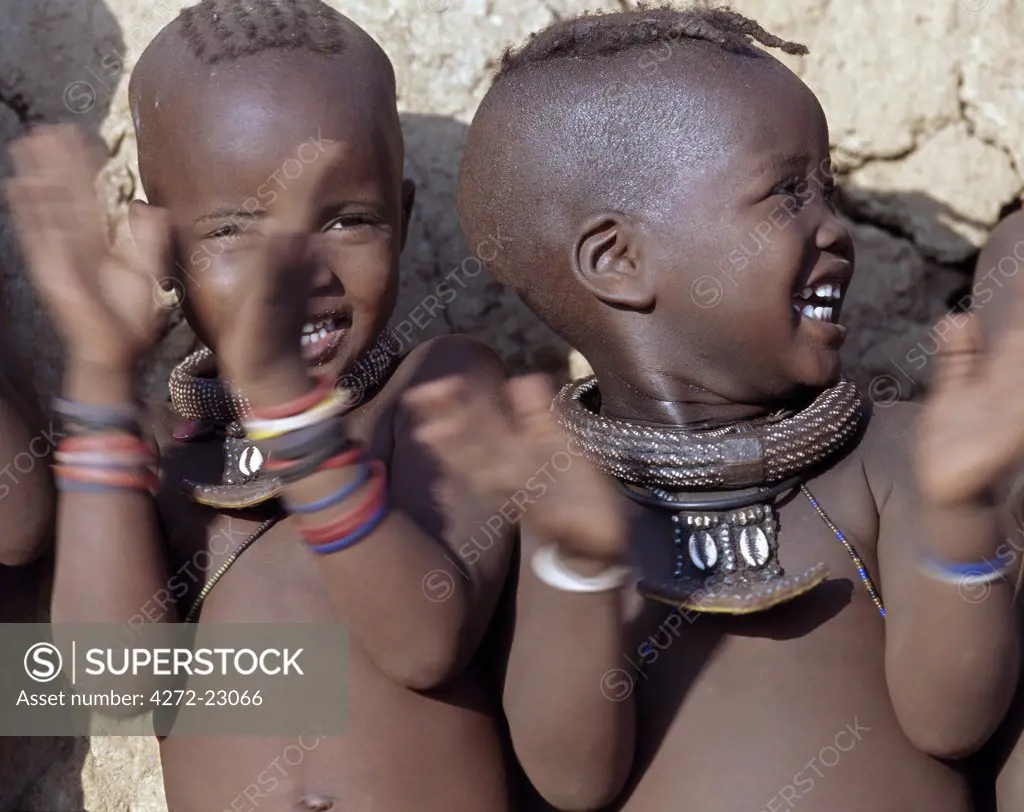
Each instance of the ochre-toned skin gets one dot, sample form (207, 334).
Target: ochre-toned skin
(422, 733)
(436, 750)
(733, 713)
(997, 280)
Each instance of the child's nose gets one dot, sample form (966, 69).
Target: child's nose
(833, 236)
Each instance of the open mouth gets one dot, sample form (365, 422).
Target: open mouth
(322, 336)
(820, 303)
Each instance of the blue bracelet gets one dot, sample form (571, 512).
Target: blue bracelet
(355, 537)
(980, 571)
(365, 472)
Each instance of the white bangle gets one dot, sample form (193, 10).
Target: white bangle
(549, 567)
(267, 429)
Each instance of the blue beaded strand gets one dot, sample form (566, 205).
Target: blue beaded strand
(862, 571)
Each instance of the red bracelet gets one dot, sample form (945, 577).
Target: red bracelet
(296, 407)
(106, 442)
(344, 459)
(350, 522)
(100, 476)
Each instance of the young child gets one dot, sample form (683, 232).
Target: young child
(669, 191)
(997, 284)
(271, 156)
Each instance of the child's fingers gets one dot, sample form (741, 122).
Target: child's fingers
(433, 396)
(530, 399)
(152, 244)
(295, 213)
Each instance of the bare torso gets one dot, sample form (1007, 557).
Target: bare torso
(782, 710)
(403, 749)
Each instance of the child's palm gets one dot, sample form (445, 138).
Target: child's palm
(499, 455)
(972, 426)
(105, 304)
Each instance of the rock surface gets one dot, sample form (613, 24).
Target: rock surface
(927, 114)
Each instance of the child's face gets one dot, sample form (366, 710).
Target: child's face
(746, 233)
(232, 160)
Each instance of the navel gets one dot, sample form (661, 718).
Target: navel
(315, 803)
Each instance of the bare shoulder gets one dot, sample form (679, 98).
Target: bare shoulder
(449, 355)
(887, 447)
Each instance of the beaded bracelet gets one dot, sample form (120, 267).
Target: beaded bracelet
(549, 567)
(117, 479)
(269, 429)
(979, 572)
(291, 452)
(355, 536)
(315, 462)
(296, 407)
(349, 523)
(363, 474)
(100, 418)
(103, 442)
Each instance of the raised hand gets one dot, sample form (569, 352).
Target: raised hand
(106, 305)
(972, 427)
(516, 451)
(260, 340)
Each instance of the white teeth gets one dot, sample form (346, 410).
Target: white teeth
(824, 292)
(808, 311)
(806, 293)
(828, 314)
(837, 292)
(819, 313)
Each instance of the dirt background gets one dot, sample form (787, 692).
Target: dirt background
(926, 106)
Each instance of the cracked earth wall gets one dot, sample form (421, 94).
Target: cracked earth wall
(926, 110)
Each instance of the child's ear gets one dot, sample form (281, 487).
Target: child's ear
(606, 260)
(408, 199)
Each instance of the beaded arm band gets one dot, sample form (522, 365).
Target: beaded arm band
(979, 572)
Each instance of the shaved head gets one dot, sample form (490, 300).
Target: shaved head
(599, 114)
(259, 61)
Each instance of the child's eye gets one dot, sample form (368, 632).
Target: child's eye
(828, 193)
(350, 221)
(229, 230)
(795, 188)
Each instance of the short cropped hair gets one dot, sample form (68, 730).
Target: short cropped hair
(570, 126)
(224, 30)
